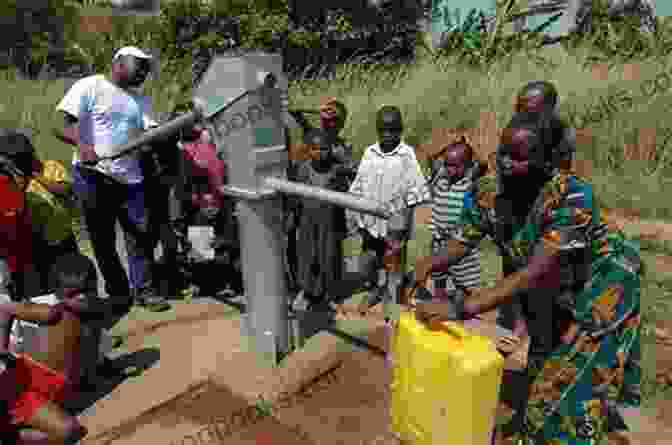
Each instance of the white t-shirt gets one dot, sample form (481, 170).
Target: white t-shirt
(108, 117)
(394, 179)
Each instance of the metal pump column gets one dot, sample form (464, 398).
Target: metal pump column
(240, 100)
(250, 137)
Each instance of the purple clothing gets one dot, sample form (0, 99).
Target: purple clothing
(105, 201)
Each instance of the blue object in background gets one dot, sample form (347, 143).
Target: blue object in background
(663, 8)
(555, 29)
(449, 15)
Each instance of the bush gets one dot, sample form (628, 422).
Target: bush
(480, 41)
(188, 33)
(35, 32)
(620, 39)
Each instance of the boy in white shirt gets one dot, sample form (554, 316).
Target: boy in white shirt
(389, 173)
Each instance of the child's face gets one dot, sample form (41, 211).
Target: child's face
(389, 133)
(516, 148)
(331, 118)
(456, 161)
(329, 121)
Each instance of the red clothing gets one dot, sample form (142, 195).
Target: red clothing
(16, 233)
(37, 385)
(204, 163)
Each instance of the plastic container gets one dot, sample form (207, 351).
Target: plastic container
(445, 385)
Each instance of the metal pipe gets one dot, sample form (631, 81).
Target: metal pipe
(346, 200)
(168, 129)
(261, 241)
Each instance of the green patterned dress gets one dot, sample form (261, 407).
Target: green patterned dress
(577, 384)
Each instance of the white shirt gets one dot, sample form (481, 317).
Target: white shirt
(108, 117)
(394, 179)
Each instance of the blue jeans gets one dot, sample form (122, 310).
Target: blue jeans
(104, 202)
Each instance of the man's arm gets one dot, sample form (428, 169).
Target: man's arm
(70, 135)
(37, 313)
(71, 107)
(45, 314)
(76, 101)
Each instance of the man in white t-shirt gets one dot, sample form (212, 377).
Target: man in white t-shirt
(101, 113)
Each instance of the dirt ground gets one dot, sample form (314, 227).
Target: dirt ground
(204, 388)
(208, 400)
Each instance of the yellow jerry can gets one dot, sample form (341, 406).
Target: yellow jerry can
(445, 385)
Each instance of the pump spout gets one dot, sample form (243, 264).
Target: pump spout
(345, 200)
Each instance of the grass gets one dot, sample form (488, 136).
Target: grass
(431, 98)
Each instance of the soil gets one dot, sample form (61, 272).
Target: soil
(95, 24)
(349, 405)
(201, 391)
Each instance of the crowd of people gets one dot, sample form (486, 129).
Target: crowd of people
(570, 282)
(46, 280)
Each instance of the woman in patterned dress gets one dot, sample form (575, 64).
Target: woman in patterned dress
(581, 283)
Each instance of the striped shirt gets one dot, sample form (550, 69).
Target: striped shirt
(447, 205)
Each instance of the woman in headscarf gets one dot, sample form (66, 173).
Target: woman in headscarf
(539, 97)
(581, 284)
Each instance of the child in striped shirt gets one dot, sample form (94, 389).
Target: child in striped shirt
(457, 177)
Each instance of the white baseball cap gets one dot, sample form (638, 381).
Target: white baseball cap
(132, 51)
